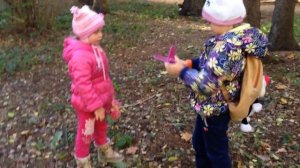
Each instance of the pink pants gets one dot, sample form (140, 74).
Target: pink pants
(89, 129)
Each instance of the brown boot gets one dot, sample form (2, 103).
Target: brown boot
(109, 154)
(83, 162)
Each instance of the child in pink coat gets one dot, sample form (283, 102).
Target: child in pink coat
(92, 88)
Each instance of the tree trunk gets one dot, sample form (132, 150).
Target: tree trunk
(281, 35)
(97, 5)
(253, 12)
(191, 7)
(101, 6)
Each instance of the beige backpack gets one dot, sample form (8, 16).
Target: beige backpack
(250, 89)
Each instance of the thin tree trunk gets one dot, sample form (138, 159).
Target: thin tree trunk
(101, 6)
(253, 12)
(191, 7)
(281, 35)
(97, 5)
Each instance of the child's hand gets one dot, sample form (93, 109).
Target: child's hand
(180, 60)
(115, 111)
(174, 69)
(100, 114)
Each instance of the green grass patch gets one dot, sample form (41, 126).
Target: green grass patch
(146, 9)
(121, 139)
(63, 21)
(123, 30)
(18, 59)
(294, 79)
(286, 138)
(14, 59)
(5, 19)
(297, 27)
(124, 26)
(266, 27)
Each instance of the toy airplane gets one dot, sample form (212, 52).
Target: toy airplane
(170, 58)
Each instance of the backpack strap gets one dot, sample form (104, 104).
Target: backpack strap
(225, 93)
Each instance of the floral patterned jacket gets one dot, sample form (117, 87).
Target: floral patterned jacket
(222, 63)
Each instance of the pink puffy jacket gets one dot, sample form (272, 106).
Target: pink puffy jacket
(91, 87)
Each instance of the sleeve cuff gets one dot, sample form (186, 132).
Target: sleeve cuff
(183, 72)
(195, 63)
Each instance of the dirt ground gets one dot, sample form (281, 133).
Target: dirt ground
(34, 106)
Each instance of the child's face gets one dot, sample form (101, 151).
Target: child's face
(96, 37)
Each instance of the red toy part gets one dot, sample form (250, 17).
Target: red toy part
(267, 79)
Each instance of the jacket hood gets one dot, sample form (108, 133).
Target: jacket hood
(252, 40)
(71, 45)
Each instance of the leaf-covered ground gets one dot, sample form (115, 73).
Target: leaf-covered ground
(38, 125)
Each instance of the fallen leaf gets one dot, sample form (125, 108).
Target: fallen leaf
(163, 72)
(281, 150)
(11, 114)
(167, 104)
(120, 165)
(275, 157)
(56, 138)
(25, 132)
(239, 164)
(251, 164)
(266, 146)
(172, 158)
(158, 95)
(36, 113)
(12, 138)
(164, 147)
(186, 136)
(132, 150)
(263, 157)
(279, 121)
(291, 56)
(280, 86)
(283, 101)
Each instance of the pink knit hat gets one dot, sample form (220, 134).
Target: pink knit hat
(85, 21)
(224, 12)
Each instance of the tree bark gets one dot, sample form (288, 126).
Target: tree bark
(97, 5)
(253, 12)
(191, 7)
(281, 35)
(101, 6)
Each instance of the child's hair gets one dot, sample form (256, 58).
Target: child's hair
(224, 12)
(85, 21)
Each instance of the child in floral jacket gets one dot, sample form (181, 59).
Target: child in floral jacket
(220, 65)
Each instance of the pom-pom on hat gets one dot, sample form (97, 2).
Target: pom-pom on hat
(224, 12)
(85, 21)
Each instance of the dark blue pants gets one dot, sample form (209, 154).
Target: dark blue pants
(211, 145)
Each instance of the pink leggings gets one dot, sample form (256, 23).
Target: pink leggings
(89, 129)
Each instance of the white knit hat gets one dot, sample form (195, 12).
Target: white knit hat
(224, 12)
